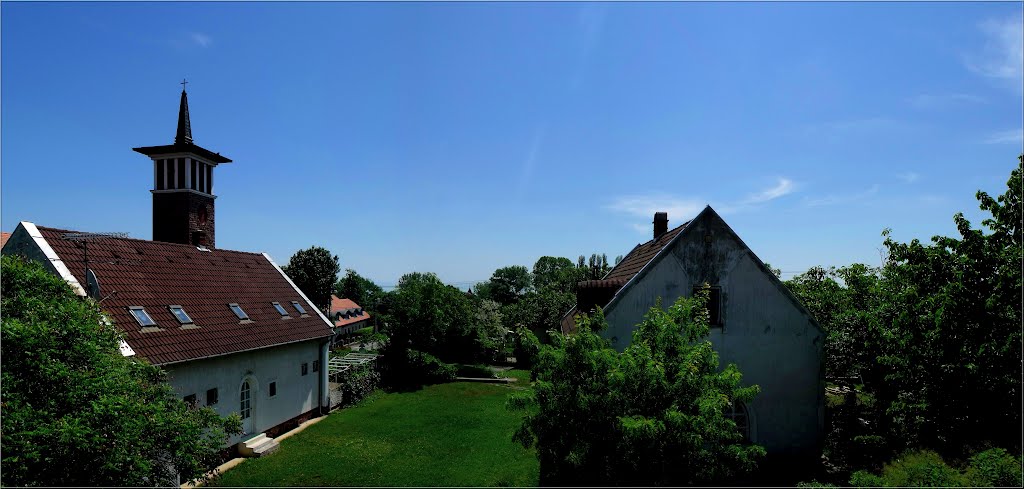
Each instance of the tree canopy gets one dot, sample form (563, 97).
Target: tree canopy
(314, 271)
(652, 415)
(359, 289)
(78, 413)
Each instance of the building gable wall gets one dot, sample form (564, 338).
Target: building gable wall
(772, 339)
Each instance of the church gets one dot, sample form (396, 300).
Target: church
(230, 328)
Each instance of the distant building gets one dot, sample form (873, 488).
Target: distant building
(348, 318)
(230, 328)
(3, 238)
(756, 323)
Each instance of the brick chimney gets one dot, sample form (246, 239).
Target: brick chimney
(660, 224)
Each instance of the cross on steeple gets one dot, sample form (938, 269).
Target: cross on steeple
(183, 83)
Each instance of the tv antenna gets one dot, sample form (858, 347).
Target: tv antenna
(91, 282)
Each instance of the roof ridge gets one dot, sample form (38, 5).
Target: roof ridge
(161, 243)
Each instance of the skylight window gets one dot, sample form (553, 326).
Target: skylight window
(238, 312)
(180, 314)
(298, 307)
(141, 316)
(280, 309)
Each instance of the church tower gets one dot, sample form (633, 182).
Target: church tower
(183, 186)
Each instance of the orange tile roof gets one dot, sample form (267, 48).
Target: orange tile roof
(339, 305)
(154, 275)
(3, 238)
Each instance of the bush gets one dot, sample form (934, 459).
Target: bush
(527, 348)
(863, 478)
(480, 371)
(993, 468)
(359, 382)
(403, 369)
(914, 469)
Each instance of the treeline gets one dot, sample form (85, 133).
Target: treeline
(930, 342)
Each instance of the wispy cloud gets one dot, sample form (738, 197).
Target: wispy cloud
(531, 158)
(783, 187)
(909, 177)
(944, 100)
(833, 199)
(680, 209)
(1006, 137)
(1002, 55)
(646, 205)
(200, 39)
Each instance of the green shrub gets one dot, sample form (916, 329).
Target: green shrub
(357, 383)
(526, 349)
(994, 468)
(480, 371)
(863, 478)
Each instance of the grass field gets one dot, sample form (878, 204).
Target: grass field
(457, 434)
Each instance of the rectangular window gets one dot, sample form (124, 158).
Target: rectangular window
(305, 369)
(180, 314)
(190, 400)
(192, 174)
(202, 176)
(316, 365)
(179, 165)
(273, 389)
(141, 316)
(280, 309)
(211, 396)
(235, 308)
(209, 179)
(159, 175)
(714, 304)
(298, 307)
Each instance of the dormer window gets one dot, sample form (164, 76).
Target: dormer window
(280, 309)
(298, 307)
(180, 314)
(235, 308)
(140, 315)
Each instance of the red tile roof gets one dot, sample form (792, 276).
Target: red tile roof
(154, 275)
(631, 265)
(342, 305)
(3, 238)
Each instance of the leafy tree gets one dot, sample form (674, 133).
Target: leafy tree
(314, 272)
(76, 412)
(652, 415)
(949, 332)
(359, 289)
(554, 272)
(508, 284)
(539, 310)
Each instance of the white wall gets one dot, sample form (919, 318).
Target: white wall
(772, 341)
(296, 393)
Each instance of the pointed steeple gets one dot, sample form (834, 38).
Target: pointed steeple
(184, 134)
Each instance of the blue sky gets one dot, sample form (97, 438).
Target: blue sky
(461, 137)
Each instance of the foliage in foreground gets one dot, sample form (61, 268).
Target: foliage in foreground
(76, 412)
(652, 415)
(358, 383)
(991, 468)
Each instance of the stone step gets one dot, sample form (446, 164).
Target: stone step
(258, 446)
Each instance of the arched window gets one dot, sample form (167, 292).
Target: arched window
(245, 409)
(737, 412)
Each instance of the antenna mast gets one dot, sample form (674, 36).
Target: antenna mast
(85, 238)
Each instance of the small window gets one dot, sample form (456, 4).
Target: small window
(273, 389)
(238, 311)
(141, 316)
(737, 412)
(211, 396)
(190, 400)
(280, 309)
(298, 307)
(180, 314)
(316, 365)
(714, 304)
(305, 369)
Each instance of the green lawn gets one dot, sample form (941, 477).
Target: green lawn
(457, 434)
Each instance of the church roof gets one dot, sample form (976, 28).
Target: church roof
(156, 275)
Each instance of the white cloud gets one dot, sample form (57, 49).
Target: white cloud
(944, 100)
(1002, 55)
(833, 199)
(1005, 137)
(784, 186)
(909, 177)
(200, 39)
(646, 205)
